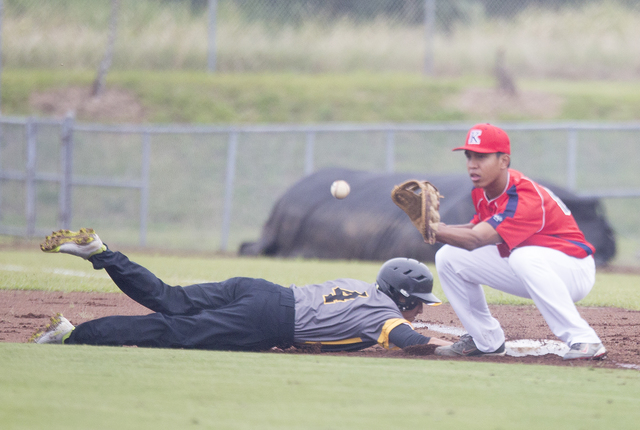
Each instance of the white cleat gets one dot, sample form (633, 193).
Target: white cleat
(57, 331)
(586, 351)
(83, 243)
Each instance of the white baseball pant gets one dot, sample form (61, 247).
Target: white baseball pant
(551, 278)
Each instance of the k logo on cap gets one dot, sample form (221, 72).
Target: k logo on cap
(486, 138)
(474, 137)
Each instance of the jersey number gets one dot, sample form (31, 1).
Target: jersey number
(560, 203)
(340, 295)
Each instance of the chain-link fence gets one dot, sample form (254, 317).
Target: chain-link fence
(533, 38)
(213, 188)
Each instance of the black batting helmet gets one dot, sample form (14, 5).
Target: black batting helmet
(407, 279)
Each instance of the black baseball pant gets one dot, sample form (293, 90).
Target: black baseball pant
(236, 314)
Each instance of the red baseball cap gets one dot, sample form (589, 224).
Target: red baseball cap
(487, 139)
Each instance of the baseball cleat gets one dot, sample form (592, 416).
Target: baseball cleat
(83, 243)
(57, 331)
(586, 351)
(466, 347)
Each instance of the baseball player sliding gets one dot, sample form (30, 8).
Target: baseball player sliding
(247, 313)
(522, 240)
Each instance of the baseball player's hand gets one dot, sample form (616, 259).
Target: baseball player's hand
(439, 342)
(426, 349)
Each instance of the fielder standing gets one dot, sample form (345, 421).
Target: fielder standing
(522, 240)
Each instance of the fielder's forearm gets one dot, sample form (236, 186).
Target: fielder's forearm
(468, 236)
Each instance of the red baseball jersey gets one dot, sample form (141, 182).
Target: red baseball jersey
(528, 214)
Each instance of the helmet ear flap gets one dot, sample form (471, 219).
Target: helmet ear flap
(402, 299)
(407, 282)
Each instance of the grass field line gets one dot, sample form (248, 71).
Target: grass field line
(74, 273)
(62, 272)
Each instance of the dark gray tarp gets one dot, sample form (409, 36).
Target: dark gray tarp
(307, 221)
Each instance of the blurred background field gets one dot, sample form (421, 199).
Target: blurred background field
(587, 39)
(307, 62)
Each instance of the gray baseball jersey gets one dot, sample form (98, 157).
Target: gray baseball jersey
(344, 314)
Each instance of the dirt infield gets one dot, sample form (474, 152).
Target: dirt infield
(23, 312)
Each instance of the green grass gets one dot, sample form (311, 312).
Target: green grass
(195, 97)
(79, 387)
(33, 270)
(103, 388)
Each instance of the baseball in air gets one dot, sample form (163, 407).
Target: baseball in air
(340, 189)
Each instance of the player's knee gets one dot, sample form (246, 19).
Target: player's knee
(445, 256)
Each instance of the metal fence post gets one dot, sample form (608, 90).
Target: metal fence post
(1, 28)
(572, 149)
(308, 153)
(66, 163)
(211, 50)
(391, 152)
(144, 188)
(228, 189)
(430, 31)
(31, 129)
(1, 183)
